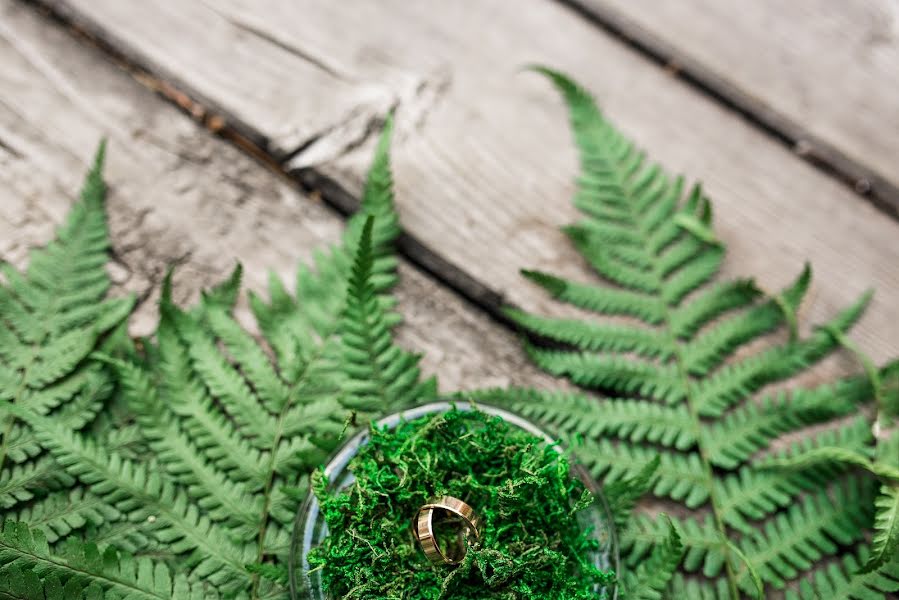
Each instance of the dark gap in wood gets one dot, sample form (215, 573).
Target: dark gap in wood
(257, 146)
(410, 246)
(167, 85)
(828, 159)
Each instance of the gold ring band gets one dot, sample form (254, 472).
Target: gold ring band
(424, 527)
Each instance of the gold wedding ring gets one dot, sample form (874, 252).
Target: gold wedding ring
(423, 528)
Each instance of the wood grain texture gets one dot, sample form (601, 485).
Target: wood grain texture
(484, 161)
(181, 196)
(820, 73)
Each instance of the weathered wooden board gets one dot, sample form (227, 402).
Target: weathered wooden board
(822, 72)
(484, 161)
(179, 195)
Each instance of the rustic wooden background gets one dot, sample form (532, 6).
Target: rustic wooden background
(240, 130)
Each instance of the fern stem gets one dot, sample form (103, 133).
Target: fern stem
(270, 469)
(717, 513)
(677, 355)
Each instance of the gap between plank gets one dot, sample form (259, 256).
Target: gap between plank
(826, 157)
(309, 180)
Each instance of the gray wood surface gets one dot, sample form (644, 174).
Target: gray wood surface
(484, 161)
(824, 72)
(179, 195)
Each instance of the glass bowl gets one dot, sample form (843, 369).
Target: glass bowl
(310, 529)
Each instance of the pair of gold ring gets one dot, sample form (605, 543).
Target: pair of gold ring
(423, 528)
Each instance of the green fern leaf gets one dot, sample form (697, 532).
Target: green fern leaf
(841, 581)
(319, 300)
(651, 578)
(886, 528)
(685, 370)
(212, 439)
(569, 414)
(52, 317)
(607, 301)
(622, 495)
(29, 570)
(380, 376)
(816, 527)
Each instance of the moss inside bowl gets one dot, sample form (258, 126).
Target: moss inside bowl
(543, 532)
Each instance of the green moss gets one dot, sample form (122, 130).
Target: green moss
(531, 546)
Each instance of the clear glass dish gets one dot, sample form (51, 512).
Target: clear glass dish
(310, 529)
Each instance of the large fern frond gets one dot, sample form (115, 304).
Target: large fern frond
(230, 425)
(684, 358)
(52, 317)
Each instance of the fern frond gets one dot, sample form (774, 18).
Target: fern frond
(678, 477)
(139, 491)
(702, 542)
(841, 580)
(51, 318)
(886, 528)
(30, 570)
(753, 494)
(815, 527)
(622, 495)
(318, 304)
(651, 578)
(380, 376)
(684, 371)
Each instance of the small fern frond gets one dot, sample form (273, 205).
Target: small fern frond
(316, 308)
(650, 580)
(704, 546)
(379, 375)
(886, 528)
(622, 495)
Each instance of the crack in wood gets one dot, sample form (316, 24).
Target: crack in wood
(244, 23)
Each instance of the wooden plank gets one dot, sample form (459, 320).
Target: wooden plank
(179, 195)
(819, 75)
(484, 161)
